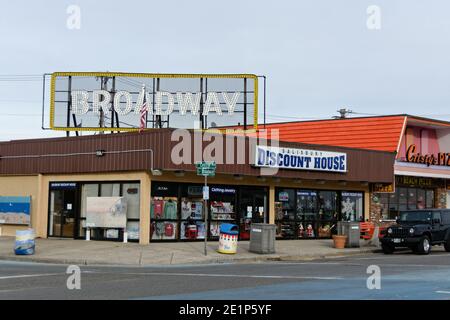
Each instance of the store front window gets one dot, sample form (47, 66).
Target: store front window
(307, 213)
(403, 199)
(130, 191)
(68, 207)
(285, 210)
(185, 217)
(303, 214)
(164, 212)
(352, 206)
(192, 213)
(222, 208)
(328, 213)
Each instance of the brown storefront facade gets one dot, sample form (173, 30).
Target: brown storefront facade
(164, 197)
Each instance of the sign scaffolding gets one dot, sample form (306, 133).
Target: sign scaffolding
(106, 101)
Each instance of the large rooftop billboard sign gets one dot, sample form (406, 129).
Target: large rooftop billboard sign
(105, 101)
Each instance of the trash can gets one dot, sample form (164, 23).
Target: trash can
(262, 238)
(228, 238)
(352, 231)
(25, 243)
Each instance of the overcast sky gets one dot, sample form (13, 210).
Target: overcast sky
(318, 55)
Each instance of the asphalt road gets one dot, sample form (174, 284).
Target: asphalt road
(403, 276)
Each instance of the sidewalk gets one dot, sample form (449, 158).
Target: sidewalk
(157, 254)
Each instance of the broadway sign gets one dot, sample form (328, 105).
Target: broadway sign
(94, 101)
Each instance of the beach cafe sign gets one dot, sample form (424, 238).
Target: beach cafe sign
(440, 159)
(300, 159)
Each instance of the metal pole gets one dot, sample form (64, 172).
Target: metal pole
(201, 104)
(264, 102)
(245, 103)
(113, 90)
(205, 203)
(43, 101)
(69, 103)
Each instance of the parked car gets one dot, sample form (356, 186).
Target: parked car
(418, 230)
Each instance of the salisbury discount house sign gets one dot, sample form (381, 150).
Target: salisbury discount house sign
(300, 159)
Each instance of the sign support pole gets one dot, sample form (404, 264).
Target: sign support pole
(206, 169)
(205, 205)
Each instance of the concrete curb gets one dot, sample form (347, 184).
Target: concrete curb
(219, 260)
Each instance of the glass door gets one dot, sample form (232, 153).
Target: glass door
(62, 213)
(252, 209)
(328, 213)
(307, 214)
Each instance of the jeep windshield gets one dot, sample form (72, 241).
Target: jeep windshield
(416, 216)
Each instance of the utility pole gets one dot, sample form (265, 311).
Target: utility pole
(343, 113)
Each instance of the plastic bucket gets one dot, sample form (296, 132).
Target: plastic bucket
(25, 243)
(228, 240)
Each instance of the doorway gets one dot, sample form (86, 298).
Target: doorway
(62, 213)
(253, 208)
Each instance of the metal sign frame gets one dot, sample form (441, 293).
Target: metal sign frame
(55, 75)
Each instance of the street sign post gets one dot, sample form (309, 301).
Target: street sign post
(206, 169)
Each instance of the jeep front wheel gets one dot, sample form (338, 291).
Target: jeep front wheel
(424, 246)
(447, 245)
(388, 249)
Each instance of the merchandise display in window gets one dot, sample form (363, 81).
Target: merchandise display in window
(287, 230)
(192, 230)
(328, 209)
(164, 208)
(191, 209)
(324, 230)
(163, 230)
(307, 205)
(305, 214)
(133, 230)
(389, 205)
(178, 210)
(352, 206)
(214, 229)
(222, 210)
(129, 192)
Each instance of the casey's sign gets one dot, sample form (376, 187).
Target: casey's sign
(441, 159)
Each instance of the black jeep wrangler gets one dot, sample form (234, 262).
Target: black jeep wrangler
(418, 230)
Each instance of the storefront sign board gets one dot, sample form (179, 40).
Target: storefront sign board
(300, 159)
(440, 159)
(383, 187)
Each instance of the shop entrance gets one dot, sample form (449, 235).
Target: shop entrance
(252, 209)
(62, 215)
